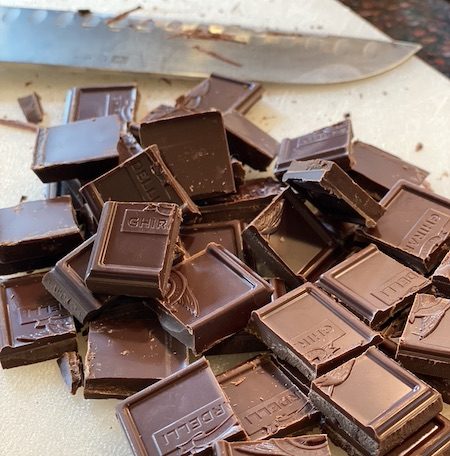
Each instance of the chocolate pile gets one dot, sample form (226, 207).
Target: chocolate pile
(156, 246)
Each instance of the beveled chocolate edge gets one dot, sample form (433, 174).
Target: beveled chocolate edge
(353, 301)
(418, 401)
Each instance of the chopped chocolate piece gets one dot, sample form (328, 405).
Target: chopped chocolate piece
(333, 192)
(311, 331)
(127, 147)
(377, 171)
(83, 149)
(373, 285)
(31, 107)
(440, 384)
(425, 343)
(223, 94)
(164, 112)
(228, 234)
(143, 177)
(251, 198)
(71, 367)
(88, 102)
(374, 400)
(127, 353)
(279, 288)
(33, 326)
(195, 149)
(65, 282)
(415, 227)
(248, 143)
(238, 172)
(38, 230)
(329, 143)
(201, 315)
(288, 249)
(19, 124)
(305, 445)
(241, 342)
(432, 439)
(171, 417)
(265, 401)
(133, 250)
(441, 276)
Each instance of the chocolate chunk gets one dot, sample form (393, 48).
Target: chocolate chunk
(40, 231)
(441, 276)
(201, 315)
(228, 234)
(377, 171)
(251, 198)
(33, 325)
(332, 191)
(286, 248)
(304, 445)
(248, 143)
(279, 288)
(143, 177)
(311, 331)
(195, 149)
(415, 227)
(71, 368)
(171, 417)
(98, 101)
(127, 147)
(425, 344)
(31, 107)
(238, 172)
(373, 285)
(374, 400)
(329, 143)
(223, 94)
(83, 149)
(133, 250)
(265, 401)
(65, 282)
(129, 352)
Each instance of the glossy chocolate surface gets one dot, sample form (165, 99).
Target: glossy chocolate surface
(311, 331)
(83, 149)
(194, 148)
(172, 418)
(266, 402)
(373, 285)
(133, 250)
(415, 227)
(201, 315)
(33, 325)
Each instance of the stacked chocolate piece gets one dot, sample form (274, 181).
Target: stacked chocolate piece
(156, 246)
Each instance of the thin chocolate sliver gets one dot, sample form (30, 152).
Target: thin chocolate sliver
(31, 107)
(71, 368)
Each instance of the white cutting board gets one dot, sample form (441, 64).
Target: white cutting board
(395, 111)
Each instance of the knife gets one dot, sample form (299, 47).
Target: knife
(132, 44)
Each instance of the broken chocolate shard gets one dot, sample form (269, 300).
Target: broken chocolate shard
(441, 276)
(133, 250)
(192, 307)
(83, 149)
(333, 192)
(31, 108)
(33, 325)
(194, 147)
(265, 401)
(151, 418)
(71, 368)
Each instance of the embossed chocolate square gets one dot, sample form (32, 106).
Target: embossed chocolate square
(311, 331)
(210, 297)
(373, 285)
(133, 250)
(33, 325)
(221, 93)
(103, 100)
(302, 445)
(415, 227)
(195, 149)
(184, 414)
(424, 346)
(267, 403)
(288, 241)
(374, 400)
